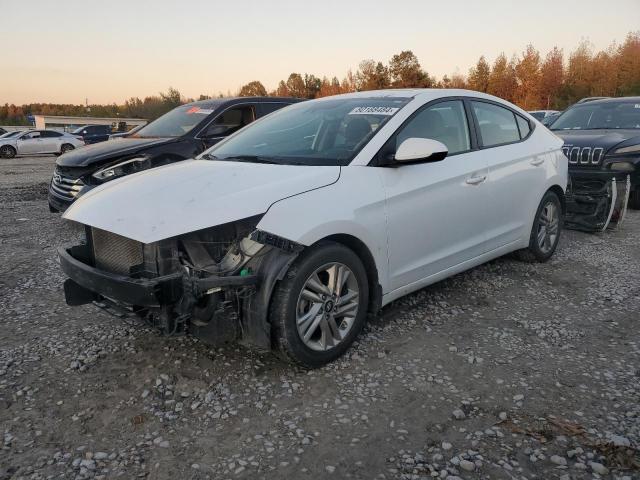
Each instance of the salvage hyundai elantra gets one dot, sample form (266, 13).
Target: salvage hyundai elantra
(287, 234)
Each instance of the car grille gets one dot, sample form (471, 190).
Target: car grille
(66, 187)
(114, 253)
(586, 156)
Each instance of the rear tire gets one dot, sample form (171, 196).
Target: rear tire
(634, 199)
(315, 319)
(545, 233)
(7, 151)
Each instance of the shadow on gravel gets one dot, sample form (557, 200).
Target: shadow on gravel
(27, 193)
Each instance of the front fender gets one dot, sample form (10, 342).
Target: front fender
(354, 205)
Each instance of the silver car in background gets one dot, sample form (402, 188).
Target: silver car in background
(35, 142)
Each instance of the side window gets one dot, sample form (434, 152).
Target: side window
(267, 108)
(31, 135)
(50, 134)
(497, 124)
(523, 126)
(231, 121)
(445, 121)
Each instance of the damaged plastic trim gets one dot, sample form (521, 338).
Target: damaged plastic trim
(267, 238)
(216, 283)
(597, 200)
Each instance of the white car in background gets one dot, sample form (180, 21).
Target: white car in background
(35, 142)
(542, 114)
(294, 228)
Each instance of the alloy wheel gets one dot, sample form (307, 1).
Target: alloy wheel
(548, 224)
(327, 306)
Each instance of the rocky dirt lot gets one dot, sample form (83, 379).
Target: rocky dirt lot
(510, 371)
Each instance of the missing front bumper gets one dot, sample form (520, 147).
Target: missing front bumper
(87, 283)
(596, 200)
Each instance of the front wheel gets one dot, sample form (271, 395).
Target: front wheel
(546, 230)
(320, 307)
(66, 148)
(7, 151)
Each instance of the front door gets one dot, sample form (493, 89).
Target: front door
(29, 144)
(436, 211)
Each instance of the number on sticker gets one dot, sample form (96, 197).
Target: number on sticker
(373, 111)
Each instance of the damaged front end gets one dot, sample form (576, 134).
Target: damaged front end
(214, 283)
(596, 199)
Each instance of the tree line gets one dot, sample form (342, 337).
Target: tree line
(530, 80)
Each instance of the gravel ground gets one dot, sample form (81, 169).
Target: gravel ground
(510, 370)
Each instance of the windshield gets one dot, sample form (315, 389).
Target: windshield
(78, 130)
(590, 116)
(175, 123)
(317, 132)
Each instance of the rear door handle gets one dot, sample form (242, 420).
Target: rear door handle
(537, 161)
(476, 180)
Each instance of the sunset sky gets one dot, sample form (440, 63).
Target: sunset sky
(67, 50)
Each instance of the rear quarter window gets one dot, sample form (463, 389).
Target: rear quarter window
(523, 126)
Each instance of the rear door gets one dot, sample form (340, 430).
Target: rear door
(50, 141)
(436, 211)
(516, 170)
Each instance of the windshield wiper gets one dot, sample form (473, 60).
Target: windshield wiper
(209, 156)
(249, 158)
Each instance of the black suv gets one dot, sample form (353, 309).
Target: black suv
(602, 142)
(182, 133)
(93, 133)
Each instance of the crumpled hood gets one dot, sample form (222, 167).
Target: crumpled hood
(98, 152)
(187, 196)
(605, 139)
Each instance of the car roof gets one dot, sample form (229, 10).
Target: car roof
(612, 100)
(424, 95)
(213, 103)
(416, 93)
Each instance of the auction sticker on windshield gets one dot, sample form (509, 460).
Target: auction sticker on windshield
(374, 111)
(201, 111)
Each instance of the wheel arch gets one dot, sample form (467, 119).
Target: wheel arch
(557, 189)
(366, 257)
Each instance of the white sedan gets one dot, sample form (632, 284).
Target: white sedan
(290, 231)
(35, 142)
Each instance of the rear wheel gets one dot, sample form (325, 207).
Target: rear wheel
(66, 148)
(545, 233)
(7, 151)
(319, 308)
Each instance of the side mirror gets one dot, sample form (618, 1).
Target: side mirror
(415, 150)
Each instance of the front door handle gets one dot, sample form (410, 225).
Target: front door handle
(476, 180)
(537, 161)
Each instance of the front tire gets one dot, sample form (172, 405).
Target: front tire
(545, 233)
(7, 151)
(319, 308)
(67, 147)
